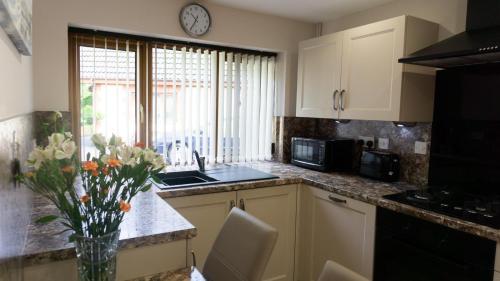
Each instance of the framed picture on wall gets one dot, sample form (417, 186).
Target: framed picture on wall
(15, 19)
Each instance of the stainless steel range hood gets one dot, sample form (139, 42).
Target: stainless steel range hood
(479, 44)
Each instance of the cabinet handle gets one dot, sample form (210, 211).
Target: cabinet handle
(335, 107)
(337, 200)
(242, 204)
(342, 100)
(232, 204)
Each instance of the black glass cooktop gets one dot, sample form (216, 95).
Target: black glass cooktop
(484, 210)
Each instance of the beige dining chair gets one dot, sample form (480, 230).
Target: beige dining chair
(241, 250)
(333, 271)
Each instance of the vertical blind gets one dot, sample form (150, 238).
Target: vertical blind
(217, 103)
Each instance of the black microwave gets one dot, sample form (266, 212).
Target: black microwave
(323, 155)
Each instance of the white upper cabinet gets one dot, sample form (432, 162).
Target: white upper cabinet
(319, 76)
(373, 85)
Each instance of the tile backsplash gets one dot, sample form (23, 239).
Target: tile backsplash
(15, 201)
(414, 167)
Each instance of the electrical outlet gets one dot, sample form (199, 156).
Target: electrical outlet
(421, 147)
(383, 143)
(366, 139)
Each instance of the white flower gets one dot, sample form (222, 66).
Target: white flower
(149, 155)
(116, 141)
(68, 148)
(49, 153)
(99, 141)
(128, 156)
(68, 135)
(137, 151)
(158, 162)
(36, 158)
(58, 114)
(56, 139)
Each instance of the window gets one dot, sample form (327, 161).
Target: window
(177, 98)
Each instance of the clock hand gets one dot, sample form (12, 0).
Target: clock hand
(195, 21)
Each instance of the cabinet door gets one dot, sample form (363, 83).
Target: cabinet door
(277, 207)
(371, 74)
(207, 213)
(333, 227)
(318, 77)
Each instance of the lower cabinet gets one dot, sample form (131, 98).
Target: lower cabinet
(333, 227)
(273, 205)
(207, 213)
(276, 206)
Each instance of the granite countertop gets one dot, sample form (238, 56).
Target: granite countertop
(183, 274)
(150, 221)
(348, 185)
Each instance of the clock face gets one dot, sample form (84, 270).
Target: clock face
(195, 19)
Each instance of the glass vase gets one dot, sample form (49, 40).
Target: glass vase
(96, 257)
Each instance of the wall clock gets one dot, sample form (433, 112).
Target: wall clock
(195, 19)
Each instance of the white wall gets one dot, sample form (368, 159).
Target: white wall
(155, 18)
(450, 14)
(16, 94)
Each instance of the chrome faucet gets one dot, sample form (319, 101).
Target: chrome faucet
(200, 161)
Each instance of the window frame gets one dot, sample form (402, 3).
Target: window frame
(78, 37)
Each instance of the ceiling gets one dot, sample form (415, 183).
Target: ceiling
(314, 11)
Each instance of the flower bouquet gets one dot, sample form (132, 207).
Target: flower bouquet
(94, 210)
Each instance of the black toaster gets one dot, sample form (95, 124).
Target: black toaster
(379, 165)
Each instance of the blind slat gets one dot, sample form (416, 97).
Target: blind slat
(262, 108)
(270, 106)
(212, 107)
(228, 118)
(236, 108)
(243, 112)
(220, 113)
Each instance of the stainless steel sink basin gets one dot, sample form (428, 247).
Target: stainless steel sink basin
(185, 178)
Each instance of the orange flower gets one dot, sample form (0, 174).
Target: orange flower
(90, 166)
(124, 206)
(29, 174)
(85, 198)
(140, 144)
(68, 169)
(113, 163)
(105, 171)
(95, 173)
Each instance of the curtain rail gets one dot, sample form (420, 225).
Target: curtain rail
(211, 47)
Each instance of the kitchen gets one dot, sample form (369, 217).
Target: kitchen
(331, 123)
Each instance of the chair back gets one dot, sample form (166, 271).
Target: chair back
(241, 250)
(333, 271)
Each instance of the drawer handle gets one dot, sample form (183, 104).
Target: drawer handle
(232, 204)
(242, 204)
(337, 200)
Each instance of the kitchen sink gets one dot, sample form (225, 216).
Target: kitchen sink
(185, 178)
(226, 174)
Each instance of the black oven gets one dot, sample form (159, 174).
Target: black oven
(411, 249)
(323, 155)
